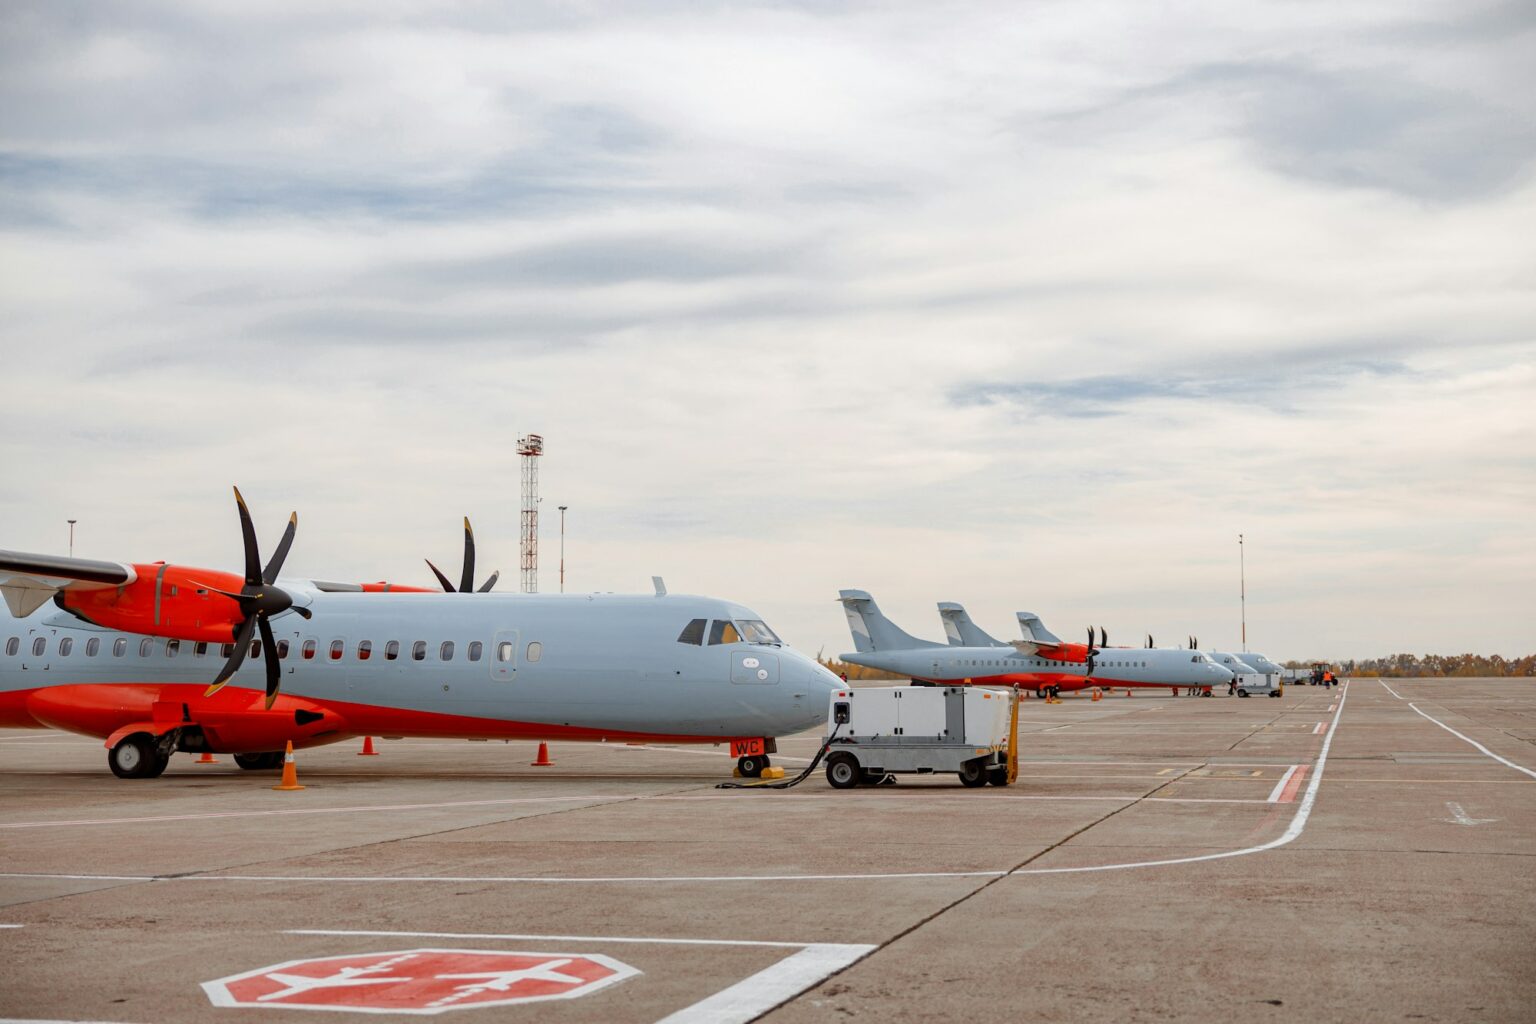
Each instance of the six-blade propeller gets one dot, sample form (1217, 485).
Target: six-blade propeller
(259, 599)
(467, 578)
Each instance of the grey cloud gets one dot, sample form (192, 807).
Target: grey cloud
(1118, 394)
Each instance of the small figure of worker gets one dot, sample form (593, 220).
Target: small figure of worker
(844, 676)
(1232, 687)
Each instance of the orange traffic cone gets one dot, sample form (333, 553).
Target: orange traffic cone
(543, 759)
(1097, 694)
(290, 773)
(207, 758)
(367, 750)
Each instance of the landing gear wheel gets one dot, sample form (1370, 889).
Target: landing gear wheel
(843, 771)
(135, 757)
(751, 766)
(973, 774)
(259, 762)
(998, 776)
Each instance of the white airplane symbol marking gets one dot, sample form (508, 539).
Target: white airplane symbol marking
(346, 978)
(502, 981)
(1461, 817)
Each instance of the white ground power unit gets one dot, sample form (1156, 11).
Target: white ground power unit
(879, 732)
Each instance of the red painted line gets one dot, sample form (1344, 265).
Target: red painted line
(1288, 795)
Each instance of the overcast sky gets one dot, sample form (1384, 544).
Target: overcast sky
(1023, 305)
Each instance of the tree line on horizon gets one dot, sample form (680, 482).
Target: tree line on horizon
(1396, 666)
(1433, 666)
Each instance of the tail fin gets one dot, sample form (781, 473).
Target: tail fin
(962, 632)
(1035, 630)
(871, 630)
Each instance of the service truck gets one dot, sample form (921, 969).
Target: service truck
(877, 732)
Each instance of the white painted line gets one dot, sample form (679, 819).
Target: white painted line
(1297, 825)
(544, 938)
(362, 809)
(1392, 691)
(1474, 742)
(751, 998)
(518, 879)
(1320, 727)
(1461, 817)
(1333, 707)
(1274, 794)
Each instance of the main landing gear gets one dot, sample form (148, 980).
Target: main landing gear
(137, 757)
(750, 767)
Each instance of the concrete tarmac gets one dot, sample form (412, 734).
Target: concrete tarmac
(1330, 855)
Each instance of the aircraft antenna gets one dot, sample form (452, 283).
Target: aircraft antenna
(529, 448)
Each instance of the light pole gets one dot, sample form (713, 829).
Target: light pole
(1242, 584)
(562, 547)
(72, 538)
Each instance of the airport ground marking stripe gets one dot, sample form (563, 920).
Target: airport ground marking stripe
(773, 986)
(1274, 794)
(1297, 825)
(1198, 800)
(1319, 729)
(547, 938)
(518, 879)
(1474, 742)
(1392, 691)
(359, 809)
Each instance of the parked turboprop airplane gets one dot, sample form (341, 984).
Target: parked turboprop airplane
(1260, 664)
(1046, 666)
(129, 650)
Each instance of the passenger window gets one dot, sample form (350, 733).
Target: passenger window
(445, 652)
(476, 649)
(307, 651)
(282, 650)
(172, 648)
(693, 633)
(722, 632)
(419, 651)
(40, 645)
(12, 646)
(119, 647)
(65, 646)
(392, 650)
(93, 647)
(338, 648)
(505, 651)
(145, 646)
(225, 650)
(364, 650)
(256, 648)
(535, 651)
(200, 650)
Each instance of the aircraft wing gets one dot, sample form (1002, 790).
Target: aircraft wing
(29, 581)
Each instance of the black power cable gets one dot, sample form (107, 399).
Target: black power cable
(787, 783)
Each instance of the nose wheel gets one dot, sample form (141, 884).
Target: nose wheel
(751, 766)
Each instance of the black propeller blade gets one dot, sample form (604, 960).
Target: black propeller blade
(259, 600)
(1092, 654)
(467, 578)
(1149, 641)
(1103, 637)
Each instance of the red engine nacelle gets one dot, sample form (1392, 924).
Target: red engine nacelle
(180, 602)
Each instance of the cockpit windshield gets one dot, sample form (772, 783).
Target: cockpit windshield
(756, 631)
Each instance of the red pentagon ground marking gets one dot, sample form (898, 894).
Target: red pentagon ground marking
(423, 981)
